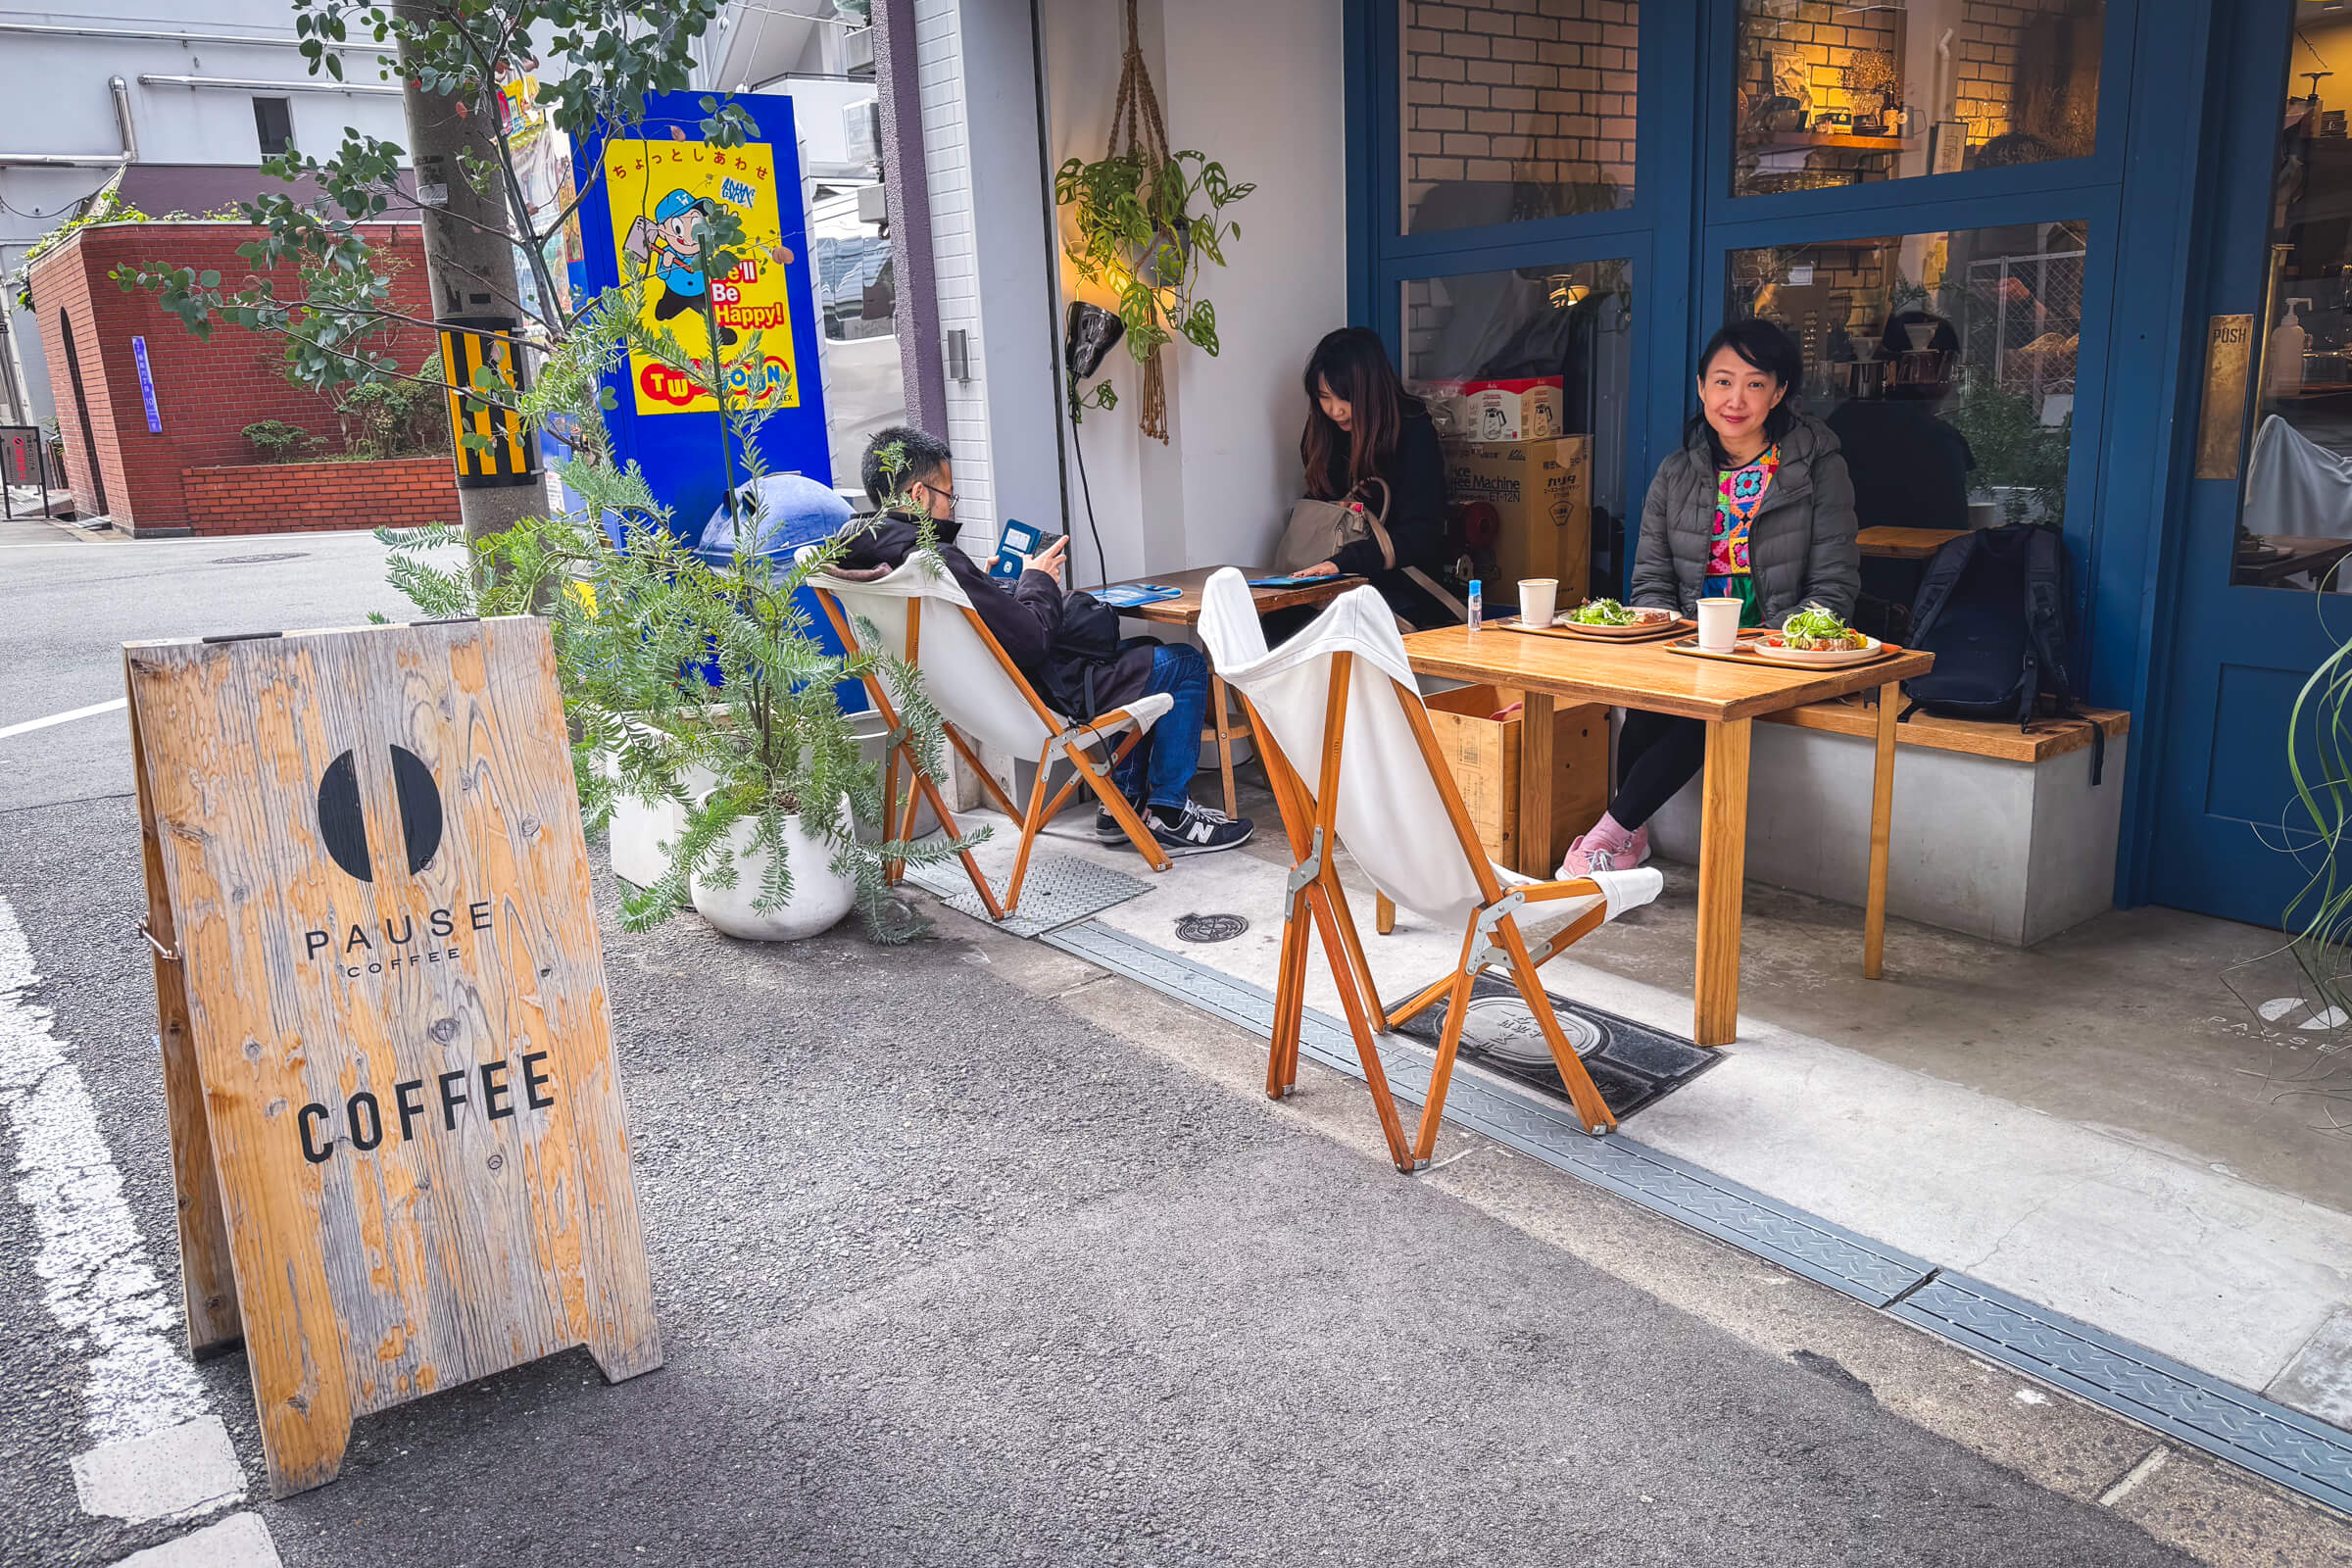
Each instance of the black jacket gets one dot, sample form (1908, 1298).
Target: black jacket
(1024, 616)
(1416, 520)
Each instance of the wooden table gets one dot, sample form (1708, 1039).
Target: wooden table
(1185, 611)
(1905, 544)
(1727, 698)
(2299, 554)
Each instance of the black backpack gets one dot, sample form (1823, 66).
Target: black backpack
(1996, 610)
(1087, 644)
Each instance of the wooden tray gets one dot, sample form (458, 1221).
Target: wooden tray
(1746, 655)
(1678, 626)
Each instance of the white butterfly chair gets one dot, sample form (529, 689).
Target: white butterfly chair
(982, 696)
(1341, 692)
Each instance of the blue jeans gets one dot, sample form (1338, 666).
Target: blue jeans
(1159, 771)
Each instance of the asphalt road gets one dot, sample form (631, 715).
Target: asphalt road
(947, 1273)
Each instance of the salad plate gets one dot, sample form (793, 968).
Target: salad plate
(1608, 619)
(1816, 639)
(1775, 647)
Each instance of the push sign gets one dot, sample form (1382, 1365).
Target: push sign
(397, 1126)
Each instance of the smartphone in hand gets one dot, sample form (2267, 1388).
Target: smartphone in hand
(1018, 546)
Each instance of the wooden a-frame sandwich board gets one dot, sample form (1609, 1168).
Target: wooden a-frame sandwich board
(397, 1124)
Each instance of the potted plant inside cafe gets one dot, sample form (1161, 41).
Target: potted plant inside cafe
(688, 681)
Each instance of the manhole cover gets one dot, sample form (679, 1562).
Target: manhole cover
(1504, 1028)
(256, 560)
(1209, 927)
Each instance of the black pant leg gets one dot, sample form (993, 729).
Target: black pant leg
(1657, 754)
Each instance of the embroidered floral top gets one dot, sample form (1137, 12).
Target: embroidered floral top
(1739, 495)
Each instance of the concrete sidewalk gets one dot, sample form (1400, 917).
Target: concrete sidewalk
(964, 1252)
(1840, 1099)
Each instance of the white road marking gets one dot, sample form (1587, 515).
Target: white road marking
(2148, 1465)
(181, 1469)
(96, 1279)
(91, 711)
(240, 1541)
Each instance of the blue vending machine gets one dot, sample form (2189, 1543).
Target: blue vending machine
(649, 188)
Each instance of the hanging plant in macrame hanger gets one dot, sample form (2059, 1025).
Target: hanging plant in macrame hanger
(1148, 222)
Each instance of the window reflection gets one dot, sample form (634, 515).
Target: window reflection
(1946, 363)
(1515, 110)
(1845, 93)
(1529, 366)
(2295, 528)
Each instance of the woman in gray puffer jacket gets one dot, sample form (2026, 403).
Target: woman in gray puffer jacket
(1757, 506)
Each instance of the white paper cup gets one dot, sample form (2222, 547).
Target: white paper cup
(1719, 624)
(1538, 599)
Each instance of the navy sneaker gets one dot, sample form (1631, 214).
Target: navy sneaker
(1196, 829)
(1107, 826)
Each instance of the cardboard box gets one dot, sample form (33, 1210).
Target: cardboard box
(1534, 409)
(1541, 493)
(1484, 753)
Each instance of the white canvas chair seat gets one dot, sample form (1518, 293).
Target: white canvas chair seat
(1354, 762)
(981, 694)
(963, 671)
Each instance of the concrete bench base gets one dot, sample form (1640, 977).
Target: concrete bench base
(2008, 851)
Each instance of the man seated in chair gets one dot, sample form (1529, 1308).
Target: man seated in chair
(1027, 620)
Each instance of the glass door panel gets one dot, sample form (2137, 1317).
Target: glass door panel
(1847, 94)
(1515, 110)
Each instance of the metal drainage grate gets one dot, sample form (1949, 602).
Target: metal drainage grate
(2179, 1401)
(1798, 1241)
(1209, 927)
(1058, 889)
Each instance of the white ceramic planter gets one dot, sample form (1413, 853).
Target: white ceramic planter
(820, 896)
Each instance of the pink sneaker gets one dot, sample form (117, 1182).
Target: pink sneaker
(1604, 851)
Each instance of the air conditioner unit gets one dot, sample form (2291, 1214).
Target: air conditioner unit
(861, 127)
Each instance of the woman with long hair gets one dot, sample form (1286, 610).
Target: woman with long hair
(1755, 506)
(1364, 435)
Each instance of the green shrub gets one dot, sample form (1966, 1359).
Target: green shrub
(280, 442)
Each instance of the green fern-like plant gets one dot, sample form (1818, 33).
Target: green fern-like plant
(684, 679)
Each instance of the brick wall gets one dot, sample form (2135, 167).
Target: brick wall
(307, 496)
(205, 391)
(2029, 66)
(1517, 94)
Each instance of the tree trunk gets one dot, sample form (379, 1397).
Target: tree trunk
(469, 254)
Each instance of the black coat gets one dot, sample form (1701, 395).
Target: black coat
(1416, 522)
(1024, 616)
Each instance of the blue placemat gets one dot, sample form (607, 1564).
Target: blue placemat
(1295, 580)
(1129, 595)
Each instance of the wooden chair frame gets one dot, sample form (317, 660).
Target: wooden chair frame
(1070, 738)
(1309, 819)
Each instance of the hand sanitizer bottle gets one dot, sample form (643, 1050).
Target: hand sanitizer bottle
(2288, 340)
(1477, 603)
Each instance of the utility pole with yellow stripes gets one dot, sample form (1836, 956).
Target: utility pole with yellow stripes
(470, 263)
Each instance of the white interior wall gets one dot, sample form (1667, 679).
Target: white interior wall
(1256, 84)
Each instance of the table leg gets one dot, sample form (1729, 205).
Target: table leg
(1882, 823)
(1722, 864)
(1537, 854)
(1216, 703)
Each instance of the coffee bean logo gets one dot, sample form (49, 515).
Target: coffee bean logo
(343, 826)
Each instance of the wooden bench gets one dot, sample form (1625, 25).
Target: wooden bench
(1998, 832)
(2038, 742)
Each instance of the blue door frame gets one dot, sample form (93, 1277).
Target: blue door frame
(2143, 193)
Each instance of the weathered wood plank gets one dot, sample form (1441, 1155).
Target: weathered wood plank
(207, 1276)
(396, 996)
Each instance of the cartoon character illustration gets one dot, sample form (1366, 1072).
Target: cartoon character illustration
(670, 246)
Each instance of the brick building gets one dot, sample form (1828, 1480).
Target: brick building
(187, 466)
